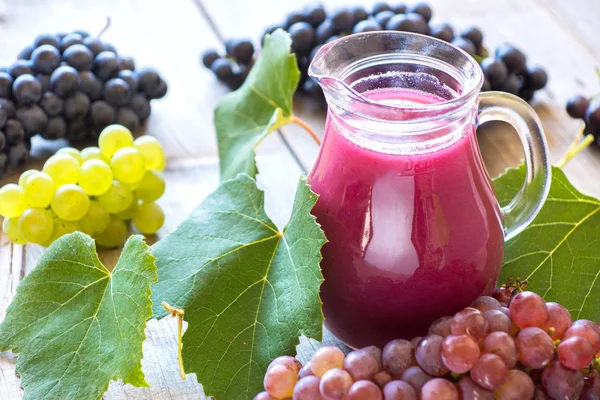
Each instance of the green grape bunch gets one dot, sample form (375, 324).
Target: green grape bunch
(97, 191)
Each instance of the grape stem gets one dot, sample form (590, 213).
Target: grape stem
(576, 147)
(106, 26)
(307, 128)
(177, 312)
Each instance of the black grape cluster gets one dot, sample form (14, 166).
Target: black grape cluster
(510, 346)
(70, 86)
(588, 110)
(506, 70)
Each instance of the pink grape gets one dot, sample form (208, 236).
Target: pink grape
(397, 356)
(497, 321)
(591, 387)
(561, 382)
(518, 386)
(575, 353)
(264, 396)
(469, 321)
(306, 371)
(288, 361)
(439, 389)
(307, 389)
(415, 341)
(335, 384)
(326, 358)
(490, 371)
(382, 378)
(361, 365)
(416, 378)
(364, 390)
(587, 330)
(441, 326)
(559, 319)
(280, 381)
(540, 393)
(460, 353)
(469, 390)
(398, 390)
(429, 355)
(528, 309)
(535, 347)
(485, 303)
(503, 345)
(375, 352)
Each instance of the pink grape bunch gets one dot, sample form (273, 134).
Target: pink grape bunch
(513, 346)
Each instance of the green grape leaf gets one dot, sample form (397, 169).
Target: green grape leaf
(247, 289)
(77, 326)
(261, 105)
(558, 253)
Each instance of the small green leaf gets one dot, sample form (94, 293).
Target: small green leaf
(248, 290)
(77, 326)
(263, 103)
(559, 252)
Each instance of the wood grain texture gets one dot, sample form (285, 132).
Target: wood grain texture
(559, 35)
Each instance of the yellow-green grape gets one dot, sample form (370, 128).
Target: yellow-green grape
(95, 221)
(114, 235)
(63, 169)
(12, 200)
(70, 202)
(113, 138)
(25, 175)
(95, 177)
(10, 226)
(60, 228)
(161, 165)
(36, 225)
(39, 190)
(130, 212)
(149, 218)
(128, 165)
(151, 187)
(73, 152)
(134, 185)
(117, 198)
(92, 153)
(151, 150)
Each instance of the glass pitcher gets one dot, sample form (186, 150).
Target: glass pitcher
(414, 227)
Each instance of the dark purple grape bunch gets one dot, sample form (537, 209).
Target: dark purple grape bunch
(233, 67)
(70, 86)
(588, 110)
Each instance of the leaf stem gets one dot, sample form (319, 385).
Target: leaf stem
(307, 128)
(106, 26)
(177, 312)
(576, 147)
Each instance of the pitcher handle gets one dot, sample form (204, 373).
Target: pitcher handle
(522, 209)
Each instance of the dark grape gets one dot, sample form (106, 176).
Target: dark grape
(8, 107)
(314, 52)
(576, 106)
(141, 106)
(106, 65)
(209, 57)
(494, 70)
(32, 118)
(64, 81)
(368, 25)
(45, 59)
(292, 18)
(315, 15)
(61, 35)
(76, 106)
(79, 57)
(78, 129)
(102, 114)
(91, 85)
(302, 35)
(27, 89)
(14, 132)
(126, 64)
(465, 45)
(51, 104)
(25, 54)
(3, 164)
(423, 9)
(46, 38)
(94, 44)
(379, 7)
(18, 154)
(56, 128)
(70, 40)
(127, 117)
(442, 31)
(592, 115)
(110, 47)
(20, 67)
(510, 85)
(526, 93)
(149, 79)
(159, 92)
(383, 17)
(474, 35)
(2, 140)
(359, 13)
(400, 8)
(117, 92)
(536, 78)
(324, 31)
(82, 33)
(407, 23)
(44, 80)
(514, 59)
(240, 49)
(3, 117)
(342, 20)
(6, 82)
(130, 77)
(270, 29)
